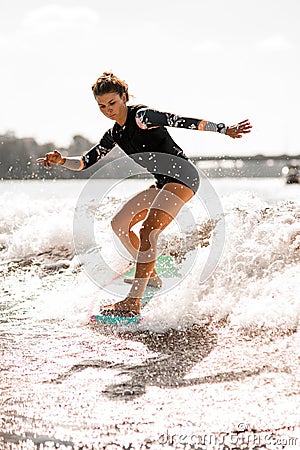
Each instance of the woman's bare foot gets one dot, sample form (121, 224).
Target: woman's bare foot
(129, 307)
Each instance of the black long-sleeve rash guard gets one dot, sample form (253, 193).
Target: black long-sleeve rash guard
(145, 139)
(144, 131)
(150, 118)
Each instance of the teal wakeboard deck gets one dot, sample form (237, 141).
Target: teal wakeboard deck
(165, 267)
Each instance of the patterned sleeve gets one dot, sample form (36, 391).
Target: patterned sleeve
(99, 150)
(150, 118)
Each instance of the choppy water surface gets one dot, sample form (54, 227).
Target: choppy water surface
(213, 363)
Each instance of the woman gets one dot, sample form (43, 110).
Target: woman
(141, 133)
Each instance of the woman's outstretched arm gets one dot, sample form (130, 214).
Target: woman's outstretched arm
(147, 118)
(55, 157)
(80, 162)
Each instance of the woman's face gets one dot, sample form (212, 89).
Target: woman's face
(113, 106)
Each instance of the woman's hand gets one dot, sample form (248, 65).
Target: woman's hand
(237, 131)
(52, 158)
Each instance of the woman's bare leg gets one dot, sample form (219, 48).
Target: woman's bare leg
(163, 210)
(133, 212)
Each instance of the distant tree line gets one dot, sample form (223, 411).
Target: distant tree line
(18, 159)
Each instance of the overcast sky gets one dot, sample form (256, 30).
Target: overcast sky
(223, 61)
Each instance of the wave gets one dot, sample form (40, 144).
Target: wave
(254, 287)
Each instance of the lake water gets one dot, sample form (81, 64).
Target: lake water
(215, 361)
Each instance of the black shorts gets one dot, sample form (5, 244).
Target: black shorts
(186, 174)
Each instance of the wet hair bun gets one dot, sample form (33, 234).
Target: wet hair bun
(108, 82)
(106, 75)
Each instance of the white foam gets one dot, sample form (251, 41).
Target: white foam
(255, 284)
(254, 287)
(30, 227)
